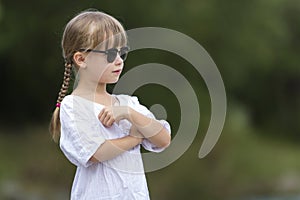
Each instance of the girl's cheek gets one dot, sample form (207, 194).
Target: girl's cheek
(102, 73)
(97, 67)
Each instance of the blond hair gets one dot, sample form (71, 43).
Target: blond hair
(87, 30)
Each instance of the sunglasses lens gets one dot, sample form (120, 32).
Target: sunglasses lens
(124, 53)
(111, 55)
(124, 56)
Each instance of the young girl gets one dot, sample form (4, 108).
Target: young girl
(101, 133)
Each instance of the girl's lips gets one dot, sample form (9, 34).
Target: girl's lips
(117, 71)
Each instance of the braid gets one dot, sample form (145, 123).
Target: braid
(54, 127)
(66, 82)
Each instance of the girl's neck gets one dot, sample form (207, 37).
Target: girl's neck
(93, 92)
(85, 87)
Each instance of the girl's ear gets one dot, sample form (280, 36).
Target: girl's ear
(79, 59)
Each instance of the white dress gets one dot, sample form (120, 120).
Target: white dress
(121, 178)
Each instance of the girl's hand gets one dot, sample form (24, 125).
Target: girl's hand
(110, 114)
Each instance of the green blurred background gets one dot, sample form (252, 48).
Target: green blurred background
(256, 46)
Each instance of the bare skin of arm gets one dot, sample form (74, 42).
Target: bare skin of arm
(150, 129)
(143, 127)
(112, 148)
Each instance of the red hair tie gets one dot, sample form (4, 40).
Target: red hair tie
(58, 105)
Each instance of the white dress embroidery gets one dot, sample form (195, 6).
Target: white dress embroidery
(121, 178)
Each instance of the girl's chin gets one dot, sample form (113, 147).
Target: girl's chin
(110, 82)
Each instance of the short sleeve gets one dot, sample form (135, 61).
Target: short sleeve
(80, 132)
(144, 110)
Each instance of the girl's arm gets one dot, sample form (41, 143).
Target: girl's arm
(112, 148)
(143, 127)
(150, 128)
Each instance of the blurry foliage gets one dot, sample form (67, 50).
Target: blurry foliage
(241, 165)
(255, 44)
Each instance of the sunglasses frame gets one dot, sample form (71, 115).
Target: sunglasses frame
(111, 53)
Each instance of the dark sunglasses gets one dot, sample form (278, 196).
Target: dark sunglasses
(111, 53)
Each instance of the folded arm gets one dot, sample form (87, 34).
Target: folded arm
(150, 128)
(114, 147)
(142, 127)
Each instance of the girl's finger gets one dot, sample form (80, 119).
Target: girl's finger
(105, 120)
(110, 122)
(100, 114)
(103, 115)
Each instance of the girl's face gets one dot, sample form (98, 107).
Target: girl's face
(99, 70)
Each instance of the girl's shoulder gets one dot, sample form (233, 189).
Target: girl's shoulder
(127, 100)
(75, 98)
(67, 99)
(133, 102)
(73, 101)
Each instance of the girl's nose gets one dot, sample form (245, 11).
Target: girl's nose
(118, 60)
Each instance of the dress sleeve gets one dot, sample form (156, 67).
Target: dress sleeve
(142, 109)
(80, 133)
